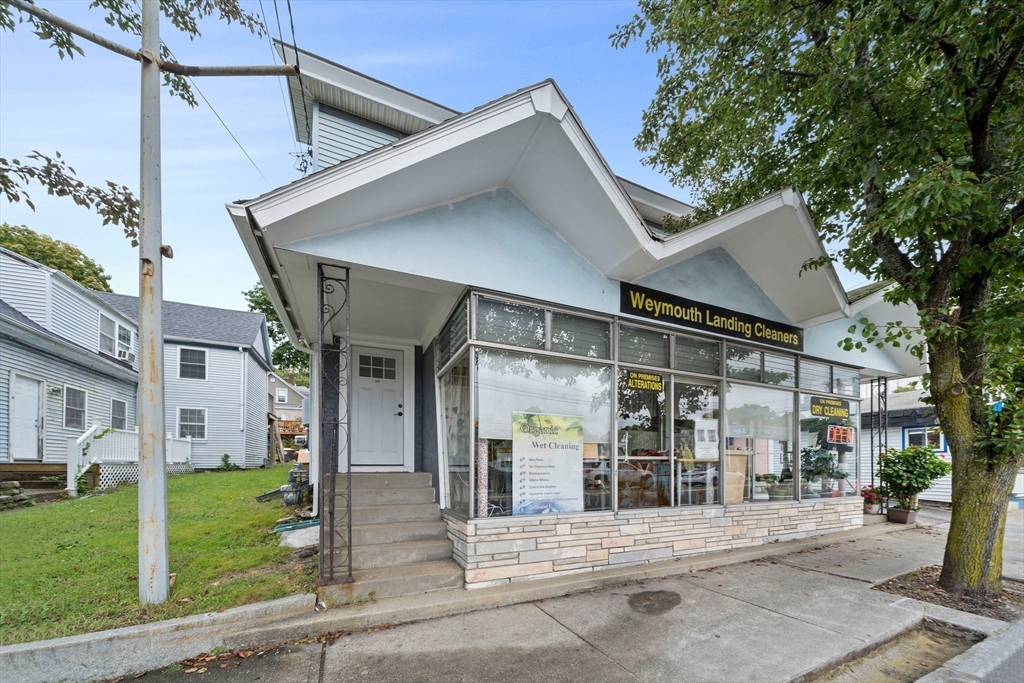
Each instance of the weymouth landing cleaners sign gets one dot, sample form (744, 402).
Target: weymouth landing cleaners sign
(668, 308)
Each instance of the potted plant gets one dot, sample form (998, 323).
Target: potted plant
(906, 473)
(780, 487)
(873, 497)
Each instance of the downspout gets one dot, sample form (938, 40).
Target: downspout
(241, 399)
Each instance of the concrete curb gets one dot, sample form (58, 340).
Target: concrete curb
(120, 651)
(979, 662)
(123, 651)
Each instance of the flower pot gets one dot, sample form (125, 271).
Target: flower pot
(899, 516)
(872, 508)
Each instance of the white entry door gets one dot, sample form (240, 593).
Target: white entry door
(25, 422)
(378, 408)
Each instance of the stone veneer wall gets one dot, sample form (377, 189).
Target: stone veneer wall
(503, 549)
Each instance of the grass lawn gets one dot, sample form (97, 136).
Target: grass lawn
(70, 567)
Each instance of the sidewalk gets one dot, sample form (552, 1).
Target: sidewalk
(774, 619)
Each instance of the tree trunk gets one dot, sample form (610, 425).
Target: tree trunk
(982, 482)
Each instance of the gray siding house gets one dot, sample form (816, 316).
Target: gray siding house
(67, 361)
(215, 379)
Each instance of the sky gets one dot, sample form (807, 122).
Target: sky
(459, 54)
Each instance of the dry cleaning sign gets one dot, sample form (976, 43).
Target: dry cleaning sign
(669, 308)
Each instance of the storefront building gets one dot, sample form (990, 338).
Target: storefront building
(488, 304)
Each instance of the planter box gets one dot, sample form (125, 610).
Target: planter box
(902, 516)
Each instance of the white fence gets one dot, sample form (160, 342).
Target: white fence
(117, 447)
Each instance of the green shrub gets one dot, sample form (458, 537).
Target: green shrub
(908, 472)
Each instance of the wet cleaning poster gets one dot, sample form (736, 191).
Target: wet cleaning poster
(547, 463)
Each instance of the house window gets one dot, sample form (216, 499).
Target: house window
(114, 336)
(124, 338)
(282, 396)
(377, 367)
(192, 422)
(118, 414)
(191, 363)
(108, 335)
(925, 437)
(74, 408)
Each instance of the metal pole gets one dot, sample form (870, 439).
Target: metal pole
(154, 576)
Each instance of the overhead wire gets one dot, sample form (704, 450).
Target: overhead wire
(280, 87)
(222, 122)
(298, 69)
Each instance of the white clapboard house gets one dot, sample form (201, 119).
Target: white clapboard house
(68, 374)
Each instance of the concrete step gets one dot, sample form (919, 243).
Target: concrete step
(386, 480)
(400, 554)
(376, 514)
(397, 532)
(389, 582)
(386, 496)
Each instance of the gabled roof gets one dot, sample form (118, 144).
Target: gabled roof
(190, 322)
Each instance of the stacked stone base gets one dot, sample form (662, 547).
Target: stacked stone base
(504, 549)
(13, 496)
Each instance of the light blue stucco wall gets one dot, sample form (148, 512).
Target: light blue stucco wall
(714, 277)
(495, 241)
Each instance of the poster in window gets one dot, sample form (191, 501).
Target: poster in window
(705, 433)
(547, 463)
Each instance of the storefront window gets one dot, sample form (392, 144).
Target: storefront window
(698, 355)
(779, 370)
(697, 440)
(502, 322)
(580, 336)
(455, 395)
(829, 429)
(544, 434)
(846, 382)
(759, 456)
(643, 458)
(815, 376)
(741, 363)
(644, 347)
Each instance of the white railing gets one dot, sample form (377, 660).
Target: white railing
(115, 446)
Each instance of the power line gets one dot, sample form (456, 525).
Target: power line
(302, 90)
(280, 87)
(193, 84)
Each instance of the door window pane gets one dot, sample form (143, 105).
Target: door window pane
(759, 458)
(580, 336)
(698, 355)
(506, 323)
(544, 434)
(697, 438)
(644, 347)
(829, 436)
(643, 459)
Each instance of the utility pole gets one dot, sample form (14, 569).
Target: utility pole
(154, 566)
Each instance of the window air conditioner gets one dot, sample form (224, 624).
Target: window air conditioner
(126, 356)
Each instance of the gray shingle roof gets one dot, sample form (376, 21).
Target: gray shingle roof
(198, 323)
(9, 311)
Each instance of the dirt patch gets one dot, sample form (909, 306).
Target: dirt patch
(906, 658)
(923, 584)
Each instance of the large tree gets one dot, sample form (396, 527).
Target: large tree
(901, 122)
(287, 359)
(67, 258)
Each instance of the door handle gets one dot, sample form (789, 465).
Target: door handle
(399, 413)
